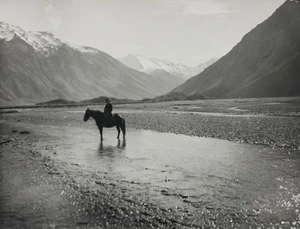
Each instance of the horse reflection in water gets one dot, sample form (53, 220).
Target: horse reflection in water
(111, 149)
(117, 120)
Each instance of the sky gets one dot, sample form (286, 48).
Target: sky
(183, 31)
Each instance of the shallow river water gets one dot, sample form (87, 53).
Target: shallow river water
(183, 171)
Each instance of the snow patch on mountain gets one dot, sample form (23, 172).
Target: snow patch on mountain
(42, 42)
(6, 35)
(7, 32)
(83, 48)
(150, 65)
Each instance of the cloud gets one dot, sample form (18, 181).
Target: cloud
(54, 23)
(190, 7)
(52, 17)
(49, 7)
(205, 7)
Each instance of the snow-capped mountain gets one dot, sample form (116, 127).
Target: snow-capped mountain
(150, 65)
(38, 67)
(43, 42)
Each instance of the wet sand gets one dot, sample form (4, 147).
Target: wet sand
(47, 181)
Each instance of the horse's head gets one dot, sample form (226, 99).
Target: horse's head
(87, 115)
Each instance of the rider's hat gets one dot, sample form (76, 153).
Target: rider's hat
(107, 100)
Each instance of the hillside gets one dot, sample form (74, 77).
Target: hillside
(265, 63)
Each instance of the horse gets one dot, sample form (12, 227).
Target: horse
(116, 120)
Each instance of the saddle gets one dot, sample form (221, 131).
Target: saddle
(109, 121)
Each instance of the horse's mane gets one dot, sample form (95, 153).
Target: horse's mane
(96, 111)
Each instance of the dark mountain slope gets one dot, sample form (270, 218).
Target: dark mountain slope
(265, 63)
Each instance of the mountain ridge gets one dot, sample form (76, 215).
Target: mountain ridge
(38, 67)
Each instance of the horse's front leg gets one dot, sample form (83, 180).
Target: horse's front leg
(118, 128)
(101, 132)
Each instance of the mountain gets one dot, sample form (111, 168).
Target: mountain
(37, 67)
(152, 65)
(265, 63)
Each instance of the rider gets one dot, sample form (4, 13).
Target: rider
(108, 109)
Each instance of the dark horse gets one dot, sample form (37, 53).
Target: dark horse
(116, 120)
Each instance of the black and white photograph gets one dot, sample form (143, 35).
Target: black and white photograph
(149, 114)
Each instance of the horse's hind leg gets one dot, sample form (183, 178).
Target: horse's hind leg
(123, 127)
(118, 128)
(101, 132)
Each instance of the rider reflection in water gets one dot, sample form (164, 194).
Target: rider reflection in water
(108, 109)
